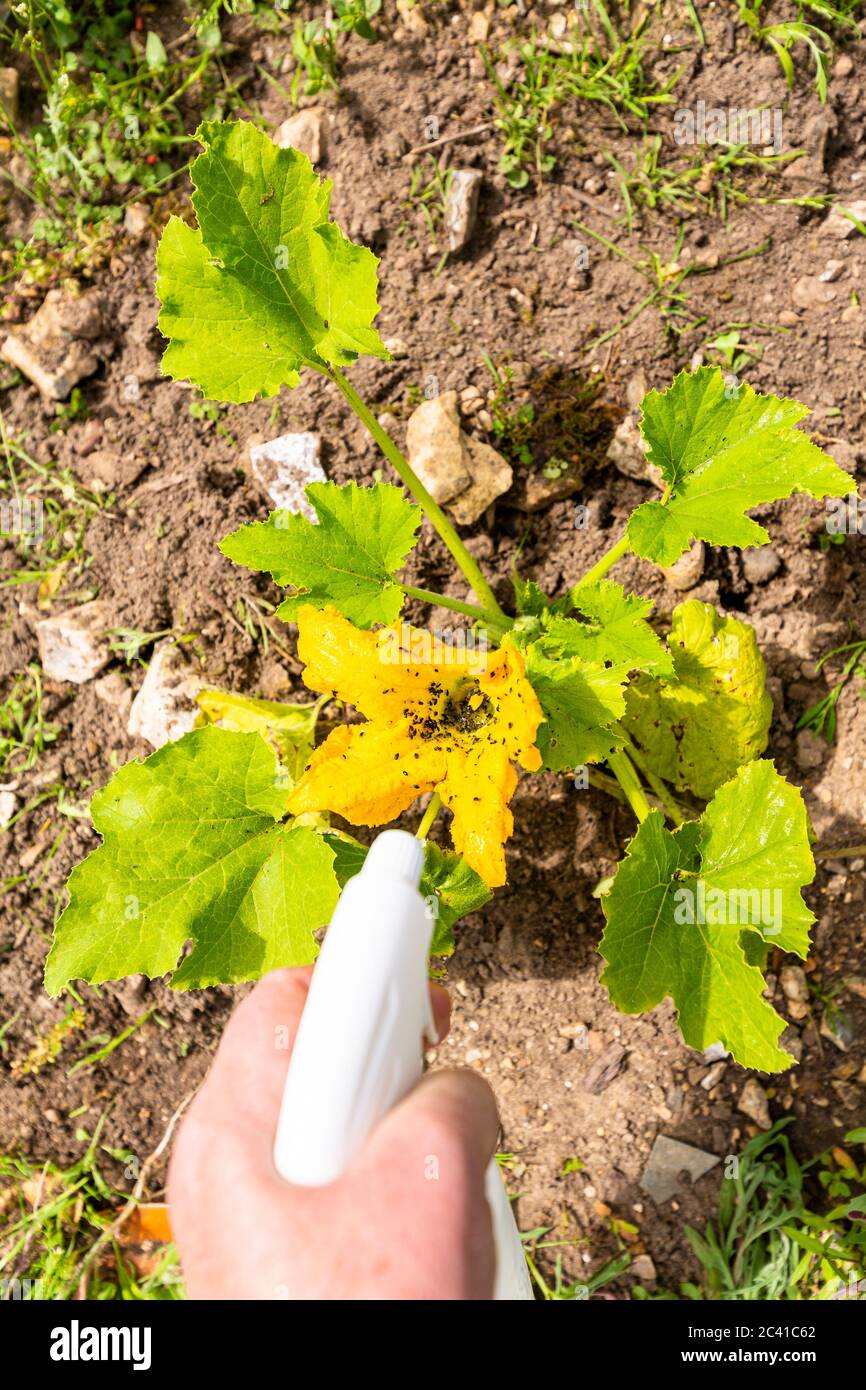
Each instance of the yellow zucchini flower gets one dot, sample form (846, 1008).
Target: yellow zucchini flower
(440, 718)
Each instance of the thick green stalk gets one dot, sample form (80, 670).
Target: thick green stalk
(607, 561)
(616, 552)
(471, 610)
(410, 479)
(428, 817)
(623, 770)
(671, 807)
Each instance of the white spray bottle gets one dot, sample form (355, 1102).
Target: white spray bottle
(358, 1050)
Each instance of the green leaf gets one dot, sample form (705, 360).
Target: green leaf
(456, 888)
(696, 728)
(755, 836)
(581, 701)
(452, 888)
(348, 559)
(154, 52)
(531, 601)
(723, 452)
(616, 630)
(266, 284)
(290, 728)
(192, 850)
(349, 855)
(684, 902)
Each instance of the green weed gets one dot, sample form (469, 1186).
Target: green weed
(429, 183)
(53, 512)
(784, 36)
(597, 66)
(768, 1243)
(110, 127)
(53, 1222)
(821, 717)
(316, 45)
(24, 731)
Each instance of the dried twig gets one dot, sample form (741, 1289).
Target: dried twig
(447, 140)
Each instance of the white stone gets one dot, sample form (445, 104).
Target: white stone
(636, 389)
(284, 466)
(45, 350)
(833, 270)
(753, 1103)
(164, 708)
(811, 750)
(136, 221)
(627, 452)
(9, 85)
(479, 27)
(491, 476)
(8, 802)
(838, 225)
(761, 564)
(412, 17)
(72, 645)
(303, 132)
(461, 207)
(55, 386)
(642, 1268)
(810, 292)
(668, 1159)
(437, 449)
(689, 568)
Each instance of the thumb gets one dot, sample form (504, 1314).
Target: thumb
(454, 1109)
(432, 1152)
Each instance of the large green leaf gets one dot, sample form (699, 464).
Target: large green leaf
(696, 728)
(347, 559)
(581, 702)
(722, 452)
(193, 851)
(290, 728)
(266, 284)
(614, 630)
(686, 907)
(755, 836)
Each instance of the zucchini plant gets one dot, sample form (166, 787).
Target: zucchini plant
(219, 860)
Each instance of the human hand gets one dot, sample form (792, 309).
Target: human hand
(407, 1220)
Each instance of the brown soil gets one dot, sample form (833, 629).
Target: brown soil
(525, 973)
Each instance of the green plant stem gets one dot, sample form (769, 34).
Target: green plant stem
(471, 610)
(410, 479)
(607, 561)
(672, 809)
(623, 770)
(849, 852)
(429, 816)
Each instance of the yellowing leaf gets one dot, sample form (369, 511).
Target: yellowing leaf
(290, 728)
(697, 727)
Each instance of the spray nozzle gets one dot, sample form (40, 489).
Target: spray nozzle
(396, 854)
